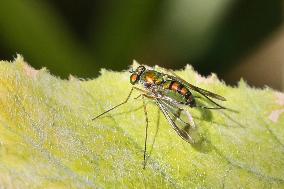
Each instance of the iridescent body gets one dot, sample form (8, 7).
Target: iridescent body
(169, 92)
(163, 86)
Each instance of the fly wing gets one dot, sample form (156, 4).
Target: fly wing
(197, 89)
(175, 117)
(170, 74)
(205, 92)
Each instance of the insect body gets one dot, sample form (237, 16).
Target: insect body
(167, 87)
(171, 94)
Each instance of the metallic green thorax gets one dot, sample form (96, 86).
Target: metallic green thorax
(167, 87)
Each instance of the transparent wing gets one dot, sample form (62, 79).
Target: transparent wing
(205, 92)
(173, 76)
(197, 89)
(179, 119)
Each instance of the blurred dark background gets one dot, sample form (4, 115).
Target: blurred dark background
(233, 38)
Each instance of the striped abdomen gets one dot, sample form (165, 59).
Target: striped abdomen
(176, 86)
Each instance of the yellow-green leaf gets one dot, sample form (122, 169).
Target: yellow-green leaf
(48, 140)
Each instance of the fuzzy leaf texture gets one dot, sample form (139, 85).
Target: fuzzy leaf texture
(47, 138)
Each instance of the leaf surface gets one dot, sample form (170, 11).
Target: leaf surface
(48, 140)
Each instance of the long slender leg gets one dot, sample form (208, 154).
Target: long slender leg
(190, 119)
(211, 108)
(219, 106)
(146, 131)
(125, 101)
(157, 129)
(138, 97)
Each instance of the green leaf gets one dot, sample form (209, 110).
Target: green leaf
(48, 140)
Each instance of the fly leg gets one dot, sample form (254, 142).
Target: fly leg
(190, 124)
(147, 123)
(146, 131)
(190, 119)
(143, 95)
(205, 107)
(124, 102)
(156, 132)
(211, 108)
(138, 96)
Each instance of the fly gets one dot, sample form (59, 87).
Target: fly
(171, 94)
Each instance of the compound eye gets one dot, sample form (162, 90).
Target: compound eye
(141, 69)
(133, 78)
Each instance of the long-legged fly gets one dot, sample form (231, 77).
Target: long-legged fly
(171, 94)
